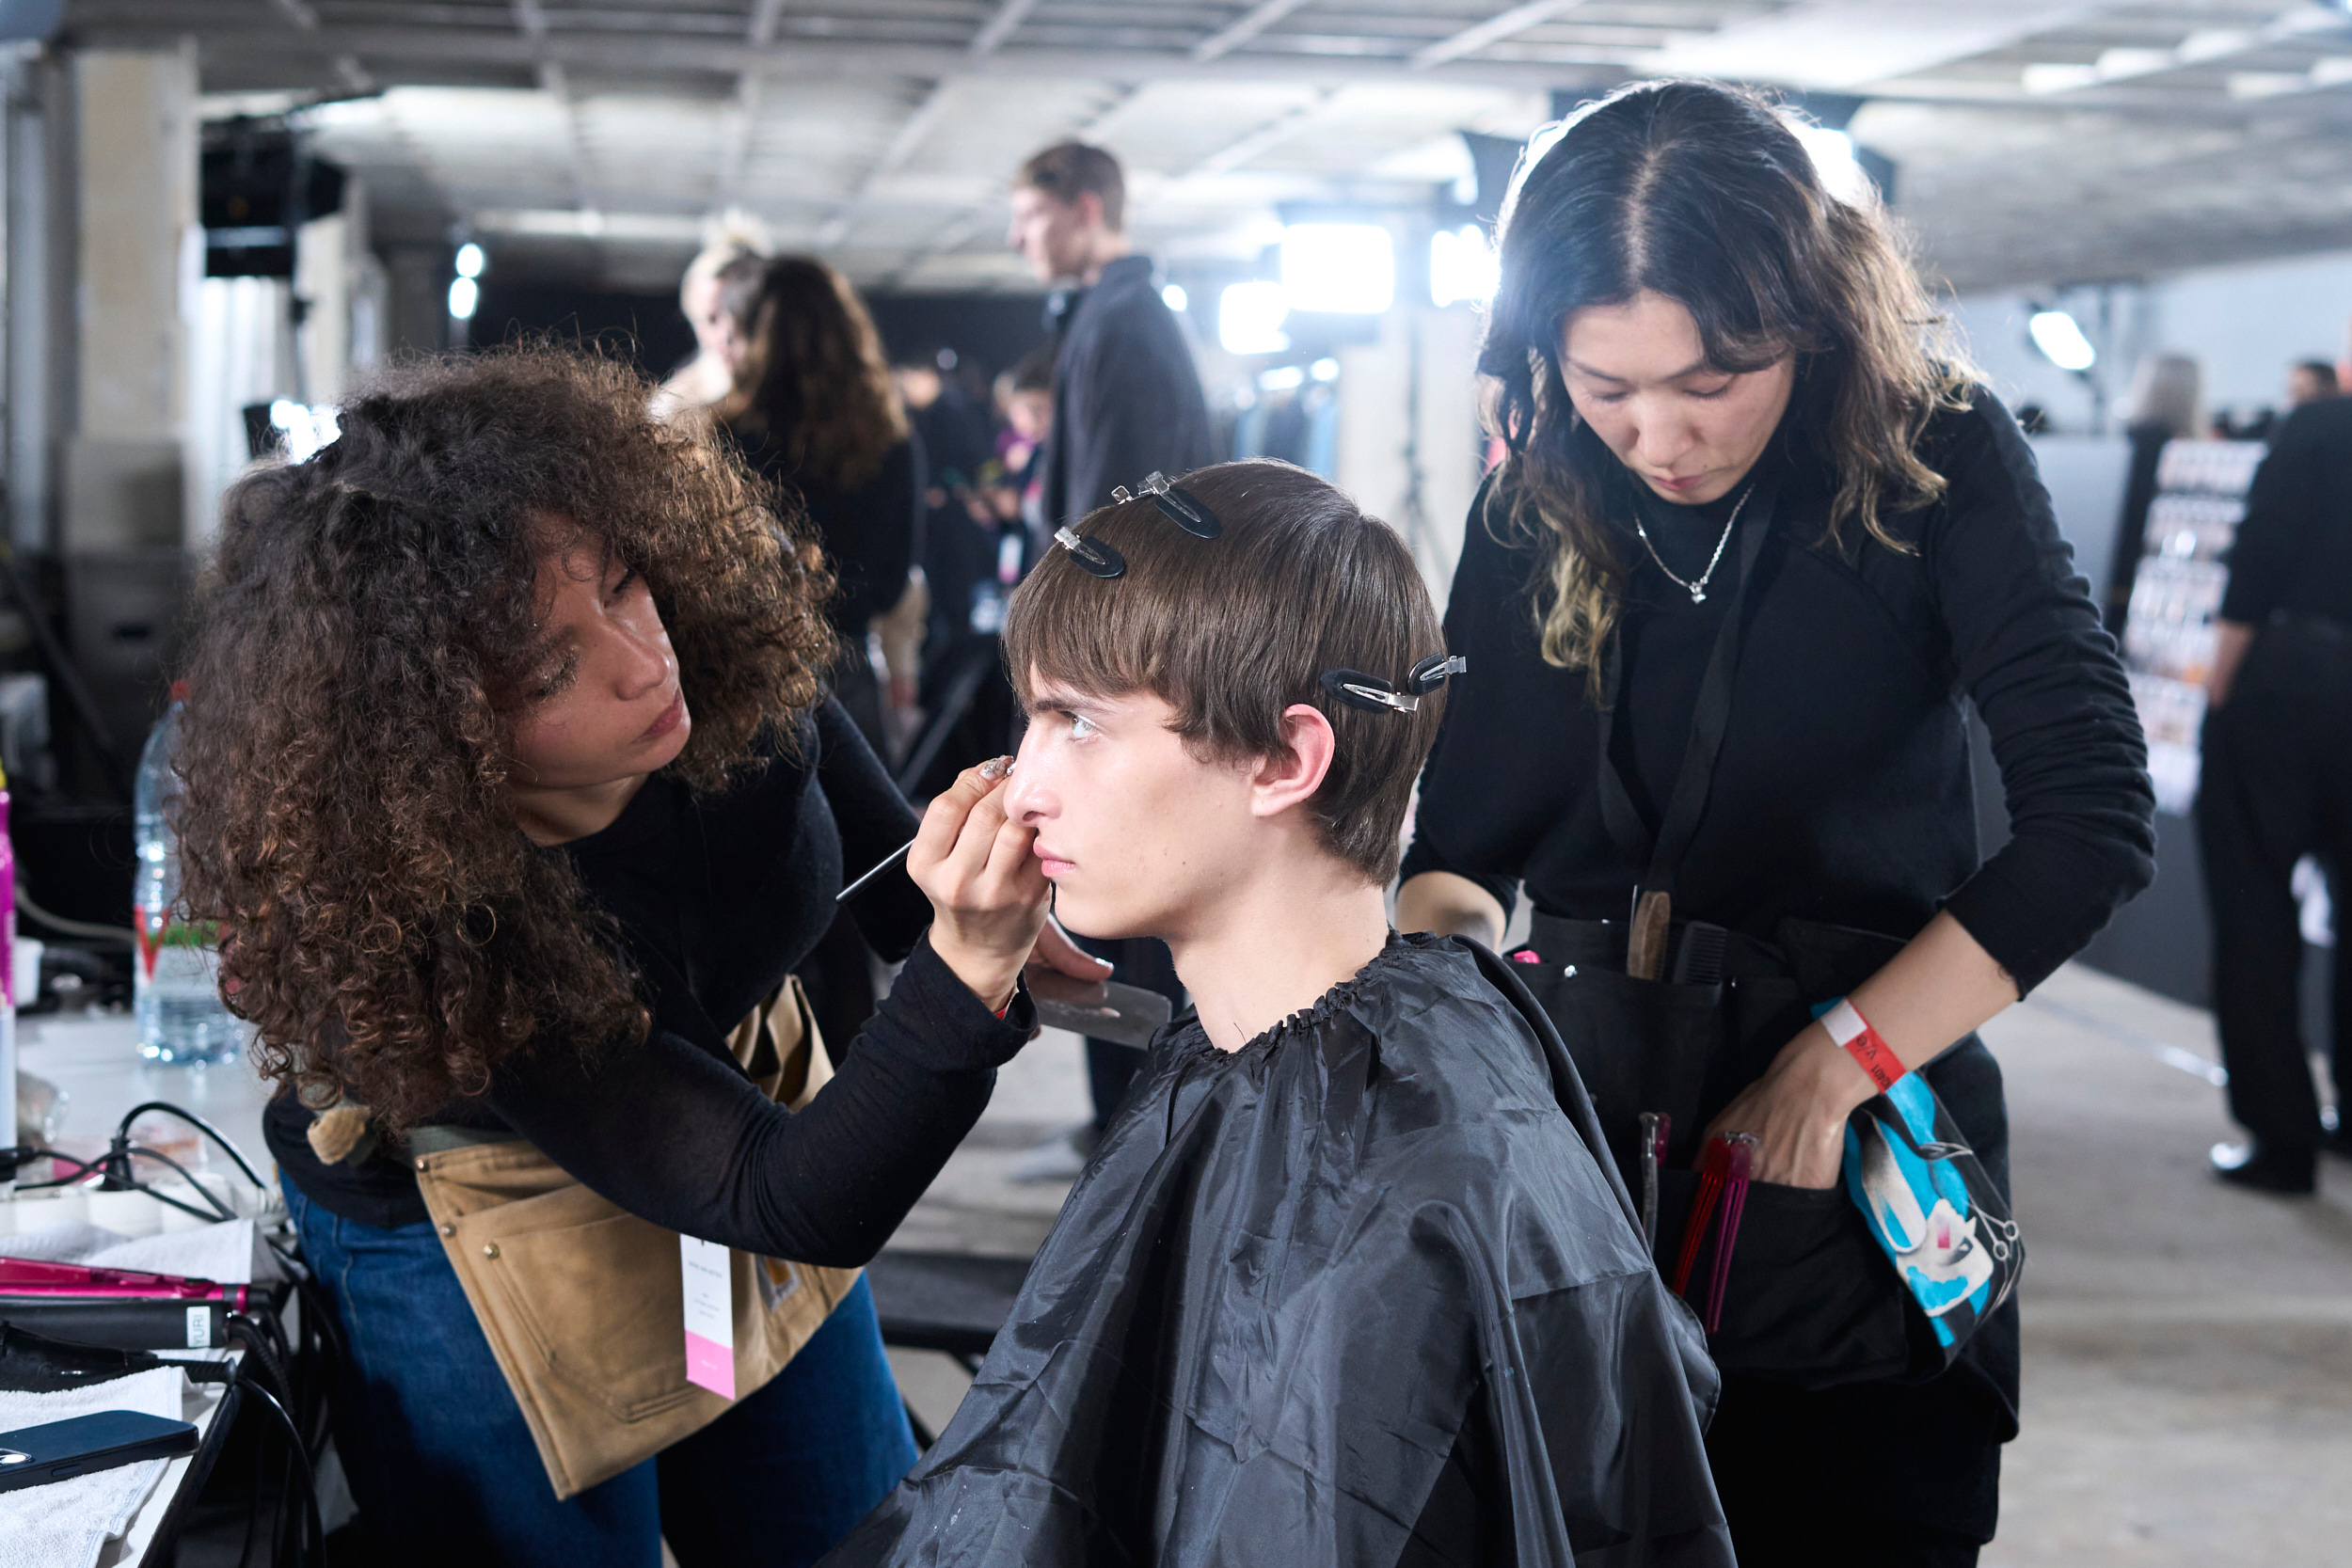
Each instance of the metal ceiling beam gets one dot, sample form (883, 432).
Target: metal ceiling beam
(1009, 15)
(531, 22)
(1256, 20)
(1264, 139)
(1469, 41)
(737, 144)
(829, 57)
(306, 54)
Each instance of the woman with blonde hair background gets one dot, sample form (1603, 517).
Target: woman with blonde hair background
(1753, 547)
(706, 379)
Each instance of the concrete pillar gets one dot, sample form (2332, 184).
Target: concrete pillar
(137, 265)
(139, 259)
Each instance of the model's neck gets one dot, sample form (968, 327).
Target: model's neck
(1276, 945)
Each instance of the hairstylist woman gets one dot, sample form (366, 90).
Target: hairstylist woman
(509, 775)
(1718, 411)
(818, 413)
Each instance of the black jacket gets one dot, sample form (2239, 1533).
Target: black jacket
(2294, 550)
(1365, 1292)
(1127, 397)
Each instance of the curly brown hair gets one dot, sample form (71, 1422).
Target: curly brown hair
(817, 383)
(1702, 194)
(347, 741)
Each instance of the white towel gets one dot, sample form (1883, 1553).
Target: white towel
(227, 1252)
(66, 1524)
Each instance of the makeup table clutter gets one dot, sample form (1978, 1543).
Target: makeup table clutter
(93, 1060)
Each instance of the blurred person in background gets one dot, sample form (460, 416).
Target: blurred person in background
(817, 412)
(1758, 536)
(1127, 402)
(817, 415)
(2276, 786)
(2310, 381)
(2166, 404)
(707, 378)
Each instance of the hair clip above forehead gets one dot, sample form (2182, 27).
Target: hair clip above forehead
(1179, 506)
(1376, 695)
(1092, 555)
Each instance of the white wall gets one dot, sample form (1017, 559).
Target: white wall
(1409, 399)
(2243, 325)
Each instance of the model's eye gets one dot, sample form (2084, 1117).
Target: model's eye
(1715, 391)
(1082, 728)
(620, 588)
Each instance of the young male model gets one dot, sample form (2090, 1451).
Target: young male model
(1350, 1279)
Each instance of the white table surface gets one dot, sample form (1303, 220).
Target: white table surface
(94, 1058)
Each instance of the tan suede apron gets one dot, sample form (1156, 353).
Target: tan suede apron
(584, 1303)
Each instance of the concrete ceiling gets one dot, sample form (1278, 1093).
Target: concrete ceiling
(2036, 141)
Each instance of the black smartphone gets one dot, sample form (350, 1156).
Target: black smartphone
(31, 1456)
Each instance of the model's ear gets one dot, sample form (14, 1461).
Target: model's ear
(1282, 782)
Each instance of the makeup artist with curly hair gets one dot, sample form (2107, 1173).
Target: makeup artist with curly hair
(511, 782)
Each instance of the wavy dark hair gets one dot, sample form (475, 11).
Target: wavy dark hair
(1702, 194)
(817, 383)
(347, 741)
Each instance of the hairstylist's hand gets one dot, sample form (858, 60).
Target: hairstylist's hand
(988, 890)
(1798, 1111)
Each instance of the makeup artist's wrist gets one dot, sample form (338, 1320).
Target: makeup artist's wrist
(988, 974)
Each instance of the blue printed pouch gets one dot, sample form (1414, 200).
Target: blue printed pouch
(1933, 1209)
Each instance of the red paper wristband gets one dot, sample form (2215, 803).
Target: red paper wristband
(1871, 1052)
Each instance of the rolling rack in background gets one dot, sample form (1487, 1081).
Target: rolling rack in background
(2168, 631)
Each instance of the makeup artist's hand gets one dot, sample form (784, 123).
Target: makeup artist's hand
(988, 892)
(1798, 1111)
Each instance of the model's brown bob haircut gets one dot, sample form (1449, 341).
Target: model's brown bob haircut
(1068, 170)
(1231, 631)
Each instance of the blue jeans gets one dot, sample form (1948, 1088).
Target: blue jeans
(444, 1467)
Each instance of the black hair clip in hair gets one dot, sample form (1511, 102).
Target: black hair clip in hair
(1375, 695)
(1092, 555)
(1180, 506)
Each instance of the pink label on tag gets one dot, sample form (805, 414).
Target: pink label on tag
(707, 1271)
(710, 1364)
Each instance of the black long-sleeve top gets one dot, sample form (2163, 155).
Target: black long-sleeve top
(1842, 793)
(2293, 551)
(1127, 397)
(872, 531)
(718, 898)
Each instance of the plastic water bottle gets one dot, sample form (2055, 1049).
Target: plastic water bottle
(175, 981)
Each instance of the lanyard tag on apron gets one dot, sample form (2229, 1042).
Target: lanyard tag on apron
(709, 1316)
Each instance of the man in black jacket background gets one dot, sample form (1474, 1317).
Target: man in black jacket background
(1127, 402)
(2278, 785)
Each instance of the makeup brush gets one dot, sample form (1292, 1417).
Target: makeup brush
(992, 769)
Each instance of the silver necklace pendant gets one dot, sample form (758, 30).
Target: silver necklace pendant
(1698, 589)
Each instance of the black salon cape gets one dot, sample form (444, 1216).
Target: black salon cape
(1365, 1292)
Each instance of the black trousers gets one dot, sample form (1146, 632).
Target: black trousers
(2276, 786)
